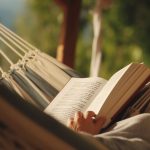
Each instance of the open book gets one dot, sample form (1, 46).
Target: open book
(105, 98)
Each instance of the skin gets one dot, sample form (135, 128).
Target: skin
(86, 122)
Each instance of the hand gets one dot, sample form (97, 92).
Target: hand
(86, 122)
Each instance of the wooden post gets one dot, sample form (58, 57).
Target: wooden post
(68, 37)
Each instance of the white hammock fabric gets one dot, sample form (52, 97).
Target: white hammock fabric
(36, 76)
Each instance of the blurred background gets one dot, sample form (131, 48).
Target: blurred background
(125, 30)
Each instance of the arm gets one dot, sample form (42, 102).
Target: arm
(86, 122)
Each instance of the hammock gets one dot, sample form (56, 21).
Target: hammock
(36, 76)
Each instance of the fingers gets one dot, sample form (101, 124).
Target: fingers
(89, 115)
(78, 116)
(70, 123)
(74, 122)
(85, 122)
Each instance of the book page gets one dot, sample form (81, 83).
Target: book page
(75, 96)
(102, 96)
(118, 90)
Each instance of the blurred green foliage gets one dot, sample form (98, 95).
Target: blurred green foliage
(40, 25)
(125, 32)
